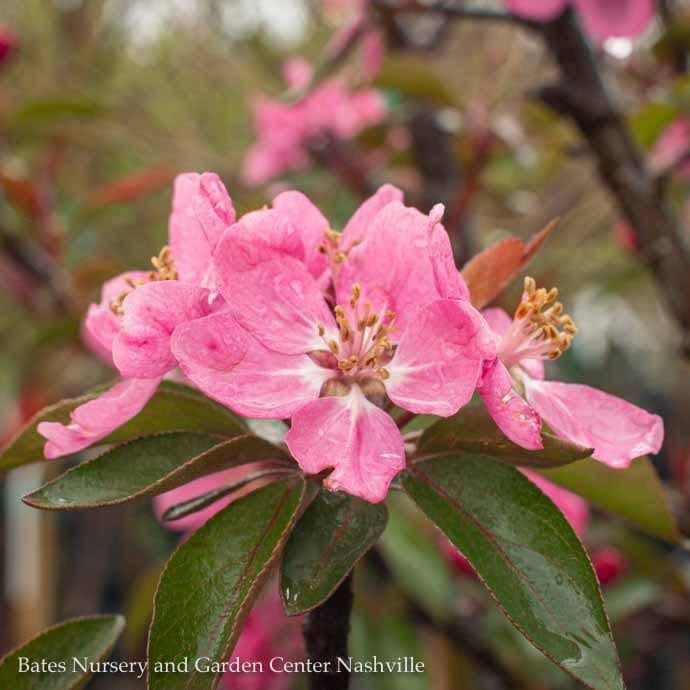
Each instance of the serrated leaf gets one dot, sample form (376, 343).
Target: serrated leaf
(91, 637)
(148, 466)
(527, 555)
(635, 494)
(332, 535)
(173, 408)
(212, 579)
(472, 430)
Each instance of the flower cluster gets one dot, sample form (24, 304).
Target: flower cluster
(285, 131)
(278, 316)
(602, 18)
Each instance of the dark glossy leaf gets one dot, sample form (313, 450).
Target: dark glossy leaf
(635, 494)
(332, 535)
(473, 431)
(148, 466)
(527, 555)
(82, 638)
(210, 582)
(173, 408)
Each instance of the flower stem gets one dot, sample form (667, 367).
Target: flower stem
(325, 631)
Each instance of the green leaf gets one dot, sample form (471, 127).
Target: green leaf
(635, 494)
(148, 466)
(82, 638)
(332, 535)
(412, 77)
(650, 120)
(173, 408)
(49, 110)
(527, 555)
(473, 431)
(210, 582)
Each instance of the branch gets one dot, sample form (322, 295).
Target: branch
(325, 631)
(582, 95)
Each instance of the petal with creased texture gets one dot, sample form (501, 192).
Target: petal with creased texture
(415, 251)
(97, 418)
(513, 416)
(439, 358)
(311, 225)
(230, 366)
(617, 430)
(151, 313)
(358, 440)
(360, 222)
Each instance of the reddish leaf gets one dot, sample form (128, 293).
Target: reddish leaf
(131, 186)
(489, 272)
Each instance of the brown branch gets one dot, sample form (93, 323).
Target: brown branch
(581, 94)
(326, 630)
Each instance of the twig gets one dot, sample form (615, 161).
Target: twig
(325, 631)
(582, 95)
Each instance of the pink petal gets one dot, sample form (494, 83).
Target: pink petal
(101, 325)
(151, 313)
(439, 358)
(311, 226)
(415, 250)
(540, 10)
(358, 225)
(606, 18)
(356, 438)
(574, 507)
(617, 430)
(513, 416)
(228, 365)
(201, 210)
(97, 418)
(194, 489)
(672, 146)
(281, 305)
(297, 73)
(373, 53)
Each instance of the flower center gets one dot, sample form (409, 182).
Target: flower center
(164, 269)
(540, 328)
(363, 347)
(332, 249)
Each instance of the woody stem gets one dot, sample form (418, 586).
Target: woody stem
(325, 632)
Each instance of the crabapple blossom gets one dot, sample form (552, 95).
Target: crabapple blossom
(602, 18)
(285, 130)
(130, 327)
(391, 322)
(617, 431)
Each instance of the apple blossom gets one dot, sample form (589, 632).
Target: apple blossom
(617, 431)
(285, 130)
(130, 327)
(394, 323)
(602, 18)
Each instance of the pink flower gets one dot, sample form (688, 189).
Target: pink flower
(401, 327)
(285, 130)
(602, 18)
(671, 150)
(267, 634)
(616, 430)
(9, 42)
(131, 326)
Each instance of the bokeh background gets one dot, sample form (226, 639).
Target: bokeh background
(102, 102)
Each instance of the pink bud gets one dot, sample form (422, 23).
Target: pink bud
(609, 564)
(9, 42)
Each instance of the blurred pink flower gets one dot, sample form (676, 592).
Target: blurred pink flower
(9, 42)
(267, 633)
(602, 18)
(610, 564)
(671, 151)
(626, 236)
(408, 331)
(617, 430)
(131, 326)
(284, 130)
